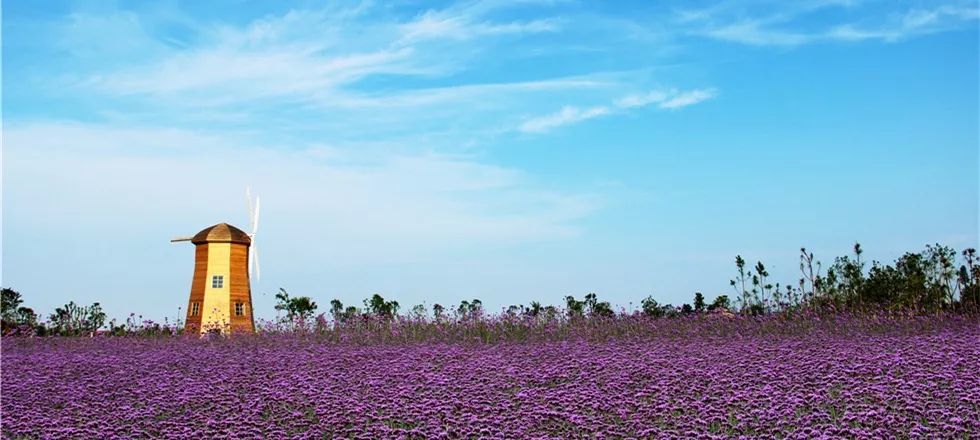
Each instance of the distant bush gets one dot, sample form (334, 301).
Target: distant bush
(15, 318)
(917, 283)
(927, 281)
(75, 320)
(298, 309)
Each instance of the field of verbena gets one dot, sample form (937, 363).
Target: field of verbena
(918, 379)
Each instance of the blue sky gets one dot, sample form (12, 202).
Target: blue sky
(505, 150)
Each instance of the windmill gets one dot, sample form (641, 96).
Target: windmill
(224, 259)
(253, 218)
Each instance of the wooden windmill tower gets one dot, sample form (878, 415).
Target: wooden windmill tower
(221, 295)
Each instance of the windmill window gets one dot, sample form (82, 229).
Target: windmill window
(239, 309)
(217, 281)
(195, 308)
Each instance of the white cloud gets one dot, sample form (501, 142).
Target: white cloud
(750, 32)
(642, 99)
(108, 200)
(685, 99)
(440, 24)
(229, 76)
(467, 93)
(913, 23)
(353, 73)
(303, 53)
(361, 206)
(315, 71)
(665, 99)
(567, 115)
(781, 23)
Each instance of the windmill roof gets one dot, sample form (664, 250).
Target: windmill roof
(221, 233)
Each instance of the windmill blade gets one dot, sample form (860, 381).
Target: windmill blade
(253, 262)
(255, 218)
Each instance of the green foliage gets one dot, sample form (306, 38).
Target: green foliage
(932, 281)
(590, 306)
(25, 316)
(15, 316)
(419, 311)
(968, 279)
(650, 307)
(739, 283)
(468, 309)
(535, 309)
(573, 307)
(73, 320)
(378, 307)
(298, 309)
(598, 308)
(341, 314)
(755, 300)
(10, 300)
(699, 305)
(438, 312)
(925, 281)
(720, 303)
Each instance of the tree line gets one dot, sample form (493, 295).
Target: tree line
(69, 320)
(926, 281)
(936, 279)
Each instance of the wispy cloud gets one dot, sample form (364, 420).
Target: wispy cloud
(470, 93)
(356, 71)
(754, 33)
(339, 71)
(642, 99)
(252, 74)
(442, 24)
(312, 52)
(567, 115)
(664, 99)
(685, 99)
(89, 190)
(371, 129)
(340, 195)
(912, 23)
(781, 23)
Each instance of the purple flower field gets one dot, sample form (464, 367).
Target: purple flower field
(919, 381)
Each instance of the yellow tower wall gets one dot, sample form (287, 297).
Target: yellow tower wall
(221, 250)
(215, 310)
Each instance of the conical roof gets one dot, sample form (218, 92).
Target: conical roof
(221, 233)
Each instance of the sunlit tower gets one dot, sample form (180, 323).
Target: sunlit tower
(221, 294)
